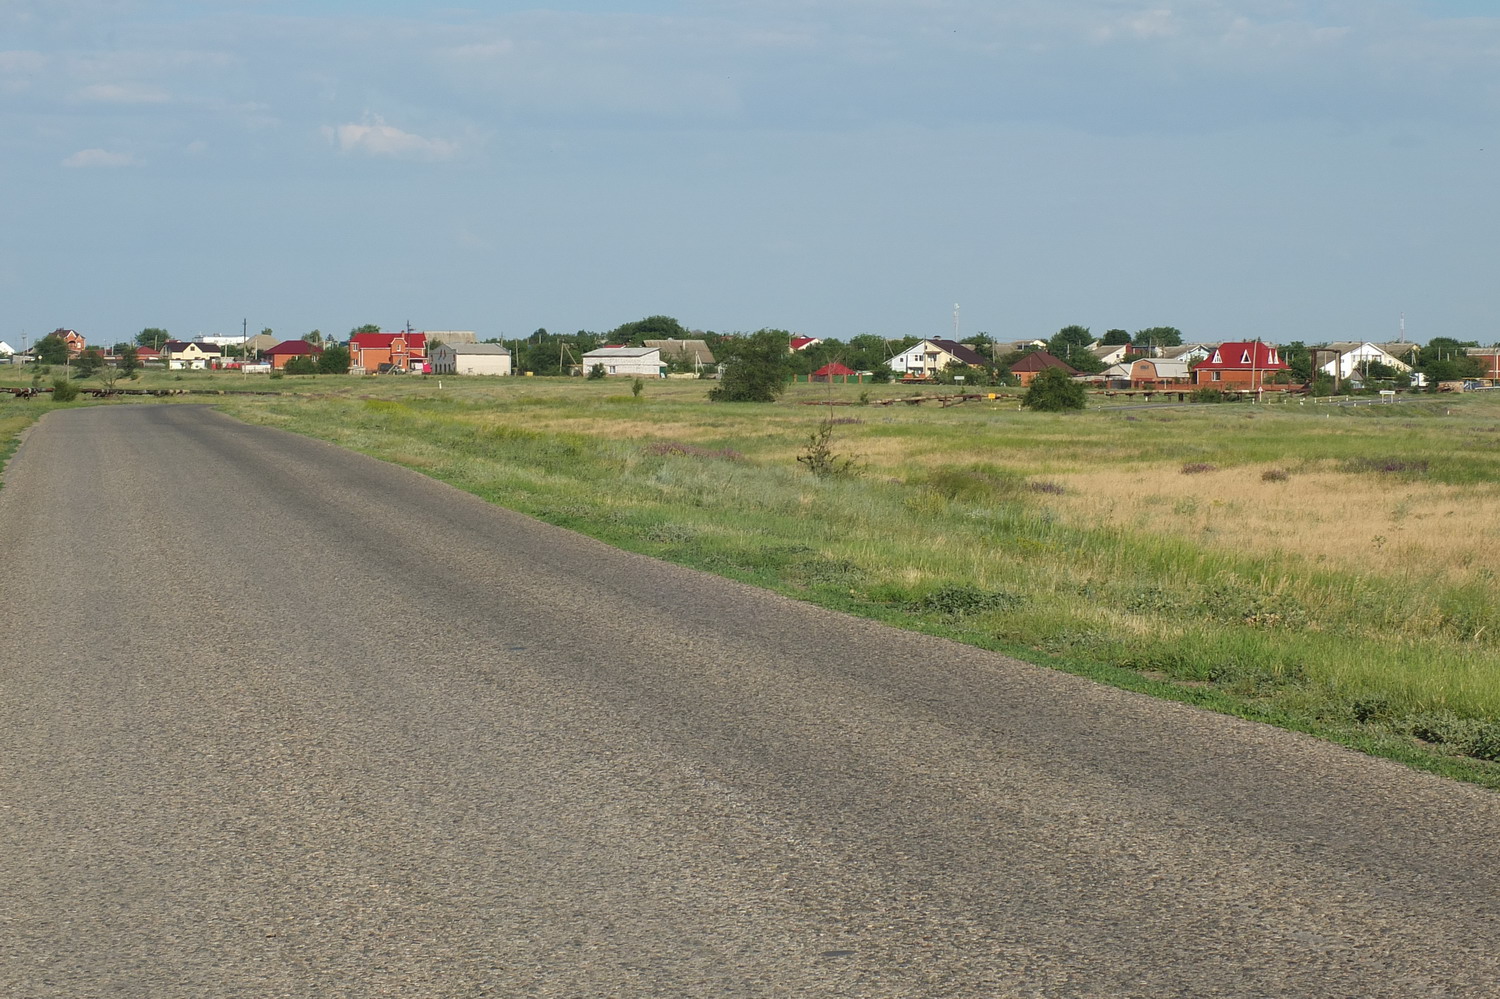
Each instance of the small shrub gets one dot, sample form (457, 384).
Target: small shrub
(1053, 391)
(596, 373)
(637, 387)
(962, 599)
(1274, 475)
(676, 449)
(64, 390)
(1051, 488)
(822, 460)
(1208, 395)
(1198, 468)
(1386, 466)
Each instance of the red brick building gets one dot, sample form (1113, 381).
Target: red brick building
(399, 351)
(1241, 366)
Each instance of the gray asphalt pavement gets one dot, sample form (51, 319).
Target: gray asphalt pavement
(280, 720)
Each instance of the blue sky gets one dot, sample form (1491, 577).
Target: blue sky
(1235, 168)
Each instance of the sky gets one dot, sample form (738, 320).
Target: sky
(1287, 169)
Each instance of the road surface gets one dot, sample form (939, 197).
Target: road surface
(282, 720)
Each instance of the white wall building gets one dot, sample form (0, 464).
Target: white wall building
(470, 359)
(1357, 356)
(642, 362)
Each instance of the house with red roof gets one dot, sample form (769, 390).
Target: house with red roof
(1035, 362)
(286, 350)
(1240, 366)
(804, 342)
(834, 370)
(372, 352)
(74, 340)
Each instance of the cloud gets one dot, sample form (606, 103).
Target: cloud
(376, 138)
(101, 158)
(123, 93)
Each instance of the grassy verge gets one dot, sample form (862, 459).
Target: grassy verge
(977, 522)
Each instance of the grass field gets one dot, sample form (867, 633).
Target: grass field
(1323, 568)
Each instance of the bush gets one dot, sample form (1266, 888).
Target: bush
(64, 390)
(334, 360)
(1054, 391)
(1208, 395)
(822, 460)
(596, 373)
(302, 365)
(756, 368)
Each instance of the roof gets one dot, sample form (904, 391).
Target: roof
(962, 351)
(1039, 360)
(292, 348)
(1241, 355)
(476, 348)
(835, 368)
(178, 346)
(695, 350)
(6, 348)
(1165, 367)
(451, 336)
(1188, 348)
(798, 342)
(623, 352)
(386, 340)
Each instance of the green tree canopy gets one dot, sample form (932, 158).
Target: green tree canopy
(334, 360)
(651, 328)
(1114, 338)
(1159, 336)
(366, 328)
(52, 349)
(130, 361)
(152, 336)
(756, 367)
(1054, 391)
(1065, 339)
(89, 362)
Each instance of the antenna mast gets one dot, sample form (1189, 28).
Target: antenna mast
(1403, 329)
(955, 320)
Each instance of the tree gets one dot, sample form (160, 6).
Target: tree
(52, 349)
(1159, 336)
(301, 365)
(1054, 391)
(1445, 359)
(152, 336)
(334, 360)
(89, 362)
(651, 328)
(366, 328)
(755, 367)
(1065, 339)
(1114, 338)
(130, 361)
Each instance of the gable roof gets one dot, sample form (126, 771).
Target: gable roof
(1242, 355)
(367, 341)
(798, 342)
(1039, 360)
(179, 346)
(961, 351)
(293, 348)
(835, 368)
(694, 350)
(623, 352)
(474, 348)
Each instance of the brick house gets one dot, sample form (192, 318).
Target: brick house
(1034, 363)
(1240, 366)
(286, 350)
(373, 352)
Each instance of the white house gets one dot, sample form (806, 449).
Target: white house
(1112, 353)
(643, 362)
(931, 356)
(6, 349)
(1357, 356)
(470, 359)
(193, 354)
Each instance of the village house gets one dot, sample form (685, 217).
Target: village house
(470, 359)
(642, 362)
(288, 350)
(929, 357)
(1242, 365)
(686, 352)
(189, 355)
(804, 342)
(74, 339)
(1357, 356)
(1027, 368)
(381, 352)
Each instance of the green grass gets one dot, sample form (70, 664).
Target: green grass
(948, 534)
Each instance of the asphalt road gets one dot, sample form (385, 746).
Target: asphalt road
(281, 720)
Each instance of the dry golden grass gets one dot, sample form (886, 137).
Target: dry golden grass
(1367, 522)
